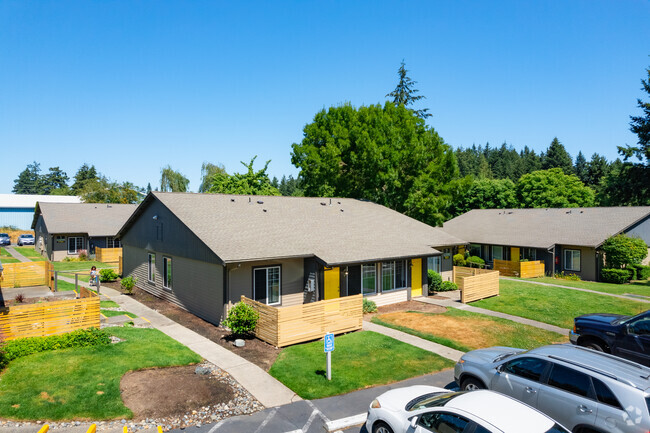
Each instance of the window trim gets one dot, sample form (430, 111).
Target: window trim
(266, 268)
(151, 268)
(76, 251)
(565, 264)
(167, 283)
(112, 240)
(431, 263)
(395, 264)
(502, 252)
(374, 267)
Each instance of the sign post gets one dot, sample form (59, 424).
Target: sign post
(328, 343)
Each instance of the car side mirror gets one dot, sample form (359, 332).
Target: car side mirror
(414, 422)
(500, 368)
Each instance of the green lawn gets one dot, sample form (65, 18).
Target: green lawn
(480, 330)
(554, 305)
(636, 287)
(111, 313)
(84, 383)
(30, 253)
(360, 360)
(7, 258)
(81, 266)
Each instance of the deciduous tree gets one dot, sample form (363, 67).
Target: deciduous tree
(172, 181)
(623, 250)
(553, 188)
(208, 170)
(488, 194)
(251, 183)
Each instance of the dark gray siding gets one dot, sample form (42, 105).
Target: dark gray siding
(588, 262)
(196, 286)
(292, 280)
(641, 230)
(176, 240)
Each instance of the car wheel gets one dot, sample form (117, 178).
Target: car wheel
(471, 384)
(381, 427)
(594, 345)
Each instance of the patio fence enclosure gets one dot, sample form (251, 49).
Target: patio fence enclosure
(531, 269)
(49, 318)
(283, 326)
(27, 274)
(475, 284)
(108, 255)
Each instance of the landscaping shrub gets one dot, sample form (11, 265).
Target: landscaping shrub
(106, 275)
(83, 255)
(623, 250)
(369, 306)
(475, 261)
(642, 272)
(127, 284)
(615, 276)
(26, 346)
(631, 269)
(242, 319)
(434, 280)
(570, 277)
(19, 298)
(459, 260)
(448, 286)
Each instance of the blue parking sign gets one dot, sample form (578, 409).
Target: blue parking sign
(329, 342)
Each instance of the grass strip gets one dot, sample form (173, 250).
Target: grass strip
(361, 359)
(554, 305)
(30, 253)
(636, 287)
(84, 383)
(111, 313)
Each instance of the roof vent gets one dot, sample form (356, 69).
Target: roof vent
(108, 205)
(323, 203)
(260, 202)
(510, 213)
(232, 199)
(568, 212)
(338, 202)
(341, 210)
(264, 210)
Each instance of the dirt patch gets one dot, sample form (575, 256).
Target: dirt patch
(256, 351)
(406, 306)
(164, 392)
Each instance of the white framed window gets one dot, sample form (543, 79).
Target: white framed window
(433, 263)
(369, 279)
(151, 268)
(113, 243)
(267, 284)
(75, 243)
(393, 275)
(167, 273)
(572, 260)
(497, 252)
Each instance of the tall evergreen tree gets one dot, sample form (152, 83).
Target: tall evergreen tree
(405, 93)
(55, 182)
(556, 156)
(582, 168)
(530, 161)
(29, 180)
(86, 174)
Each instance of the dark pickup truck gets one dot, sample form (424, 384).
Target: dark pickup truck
(624, 336)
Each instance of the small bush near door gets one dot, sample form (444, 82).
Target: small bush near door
(369, 306)
(106, 275)
(127, 284)
(448, 286)
(242, 319)
(434, 280)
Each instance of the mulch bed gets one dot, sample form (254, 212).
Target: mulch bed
(256, 351)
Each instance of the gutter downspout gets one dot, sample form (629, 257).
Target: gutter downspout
(548, 250)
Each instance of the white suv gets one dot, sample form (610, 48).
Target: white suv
(585, 390)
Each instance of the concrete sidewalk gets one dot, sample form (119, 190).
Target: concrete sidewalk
(452, 303)
(439, 349)
(265, 388)
(633, 298)
(15, 254)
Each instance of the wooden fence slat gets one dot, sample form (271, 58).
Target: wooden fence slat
(530, 269)
(108, 255)
(475, 284)
(26, 274)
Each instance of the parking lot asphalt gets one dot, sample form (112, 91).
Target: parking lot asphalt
(316, 416)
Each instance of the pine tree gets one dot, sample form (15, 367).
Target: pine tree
(557, 157)
(405, 94)
(582, 168)
(29, 180)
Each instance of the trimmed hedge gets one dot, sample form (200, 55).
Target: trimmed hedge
(242, 319)
(459, 260)
(475, 260)
(642, 272)
(20, 347)
(615, 276)
(435, 280)
(448, 286)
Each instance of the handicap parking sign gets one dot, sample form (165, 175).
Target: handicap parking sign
(329, 342)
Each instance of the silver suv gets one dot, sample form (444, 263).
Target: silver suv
(585, 390)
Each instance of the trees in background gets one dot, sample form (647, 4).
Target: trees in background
(173, 181)
(556, 156)
(208, 170)
(487, 194)
(31, 181)
(406, 94)
(85, 175)
(252, 182)
(553, 188)
(385, 154)
(622, 251)
(288, 186)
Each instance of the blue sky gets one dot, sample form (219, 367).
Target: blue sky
(131, 86)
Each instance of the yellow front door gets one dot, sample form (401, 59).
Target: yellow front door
(416, 277)
(332, 282)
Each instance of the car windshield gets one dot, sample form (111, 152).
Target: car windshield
(4, 235)
(27, 236)
(506, 355)
(625, 319)
(433, 399)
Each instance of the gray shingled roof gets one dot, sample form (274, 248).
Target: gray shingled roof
(337, 230)
(543, 228)
(96, 219)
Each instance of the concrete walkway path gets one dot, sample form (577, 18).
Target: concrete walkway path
(450, 303)
(265, 388)
(634, 298)
(439, 349)
(16, 255)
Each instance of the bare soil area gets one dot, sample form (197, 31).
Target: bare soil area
(173, 391)
(256, 351)
(406, 306)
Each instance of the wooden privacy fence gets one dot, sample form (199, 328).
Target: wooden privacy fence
(531, 269)
(108, 255)
(283, 326)
(49, 318)
(26, 274)
(475, 284)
